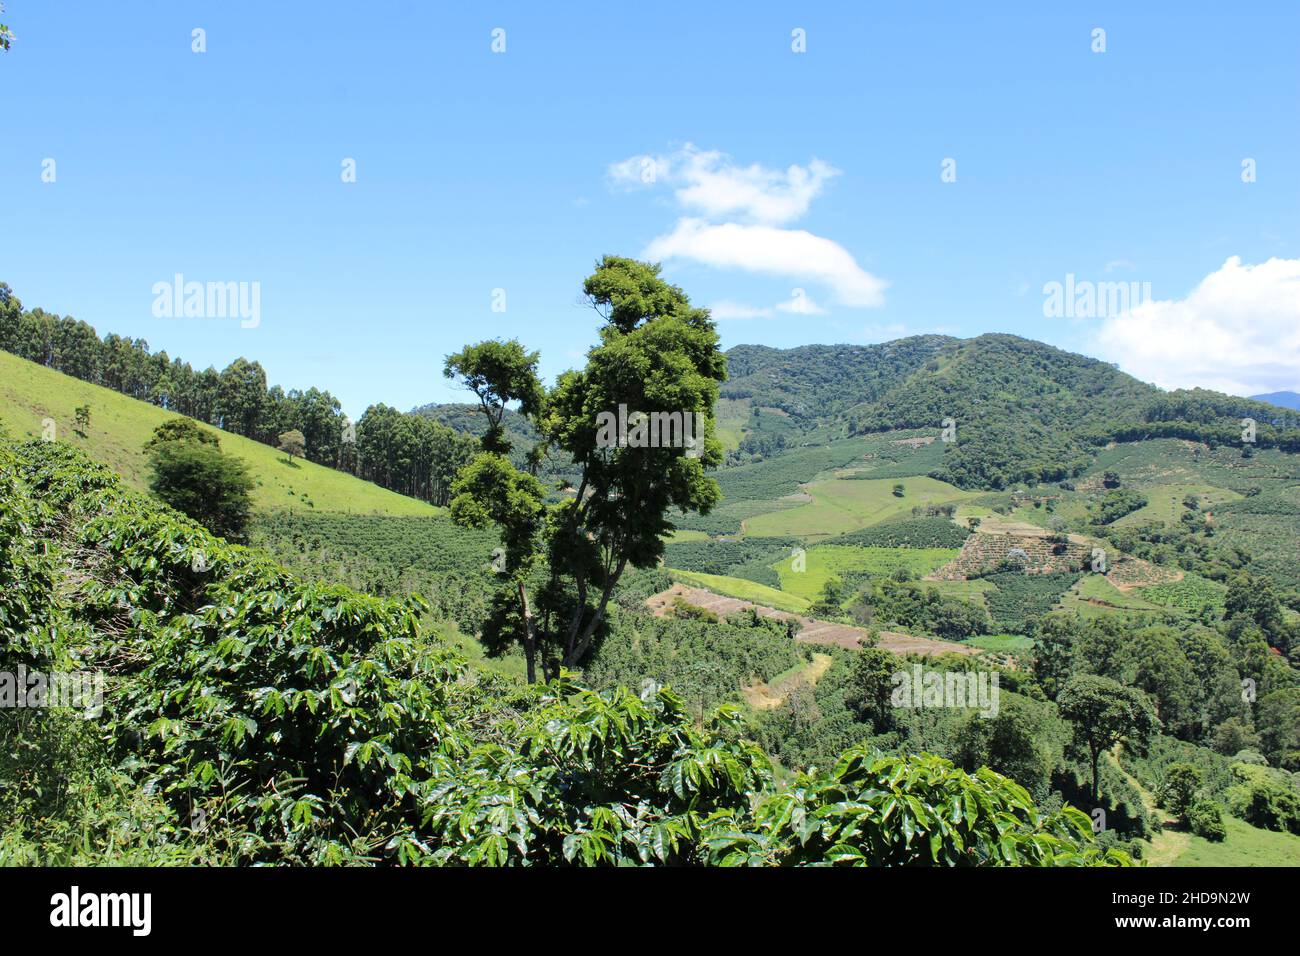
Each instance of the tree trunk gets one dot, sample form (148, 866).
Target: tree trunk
(530, 635)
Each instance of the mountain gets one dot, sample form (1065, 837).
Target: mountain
(1022, 411)
(120, 425)
(1282, 399)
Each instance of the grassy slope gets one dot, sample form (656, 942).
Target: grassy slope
(831, 560)
(1245, 846)
(744, 590)
(840, 506)
(119, 427)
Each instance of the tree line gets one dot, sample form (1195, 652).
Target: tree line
(409, 454)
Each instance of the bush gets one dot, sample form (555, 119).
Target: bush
(196, 479)
(1205, 820)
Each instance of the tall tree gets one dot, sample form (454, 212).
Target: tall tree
(658, 356)
(1104, 712)
(242, 397)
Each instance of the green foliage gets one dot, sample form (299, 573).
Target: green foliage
(255, 718)
(197, 480)
(749, 558)
(182, 429)
(292, 443)
(1206, 820)
(705, 663)
(1103, 713)
(1022, 599)
(871, 810)
(1182, 783)
(658, 355)
(1118, 502)
(907, 533)
(921, 607)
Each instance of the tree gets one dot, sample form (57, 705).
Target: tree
(1162, 671)
(242, 397)
(292, 443)
(1205, 819)
(658, 357)
(195, 478)
(82, 418)
(1182, 781)
(6, 35)
(1104, 712)
(498, 373)
(870, 686)
(1053, 661)
(181, 429)
(828, 603)
(1017, 741)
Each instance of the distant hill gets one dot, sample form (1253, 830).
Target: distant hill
(1023, 411)
(120, 425)
(1282, 399)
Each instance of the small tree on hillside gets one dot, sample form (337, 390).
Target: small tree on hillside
(292, 443)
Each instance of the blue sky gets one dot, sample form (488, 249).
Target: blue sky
(478, 171)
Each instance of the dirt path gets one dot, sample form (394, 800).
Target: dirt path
(768, 696)
(1167, 845)
(811, 630)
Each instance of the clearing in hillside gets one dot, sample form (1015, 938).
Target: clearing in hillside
(827, 561)
(811, 630)
(841, 505)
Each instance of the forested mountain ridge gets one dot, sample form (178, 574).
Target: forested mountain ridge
(1021, 411)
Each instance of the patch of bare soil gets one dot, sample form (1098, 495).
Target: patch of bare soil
(769, 696)
(811, 630)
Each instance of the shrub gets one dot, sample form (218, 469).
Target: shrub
(1205, 820)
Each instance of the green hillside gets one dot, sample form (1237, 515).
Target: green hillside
(1024, 411)
(119, 427)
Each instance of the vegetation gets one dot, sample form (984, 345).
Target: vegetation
(121, 426)
(277, 721)
(191, 475)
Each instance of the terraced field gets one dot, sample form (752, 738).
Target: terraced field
(1093, 596)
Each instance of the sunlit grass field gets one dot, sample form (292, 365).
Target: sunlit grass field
(843, 505)
(119, 427)
(825, 562)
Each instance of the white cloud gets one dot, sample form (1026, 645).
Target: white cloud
(711, 183)
(1238, 331)
(736, 218)
(771, 251)
(799, 303)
